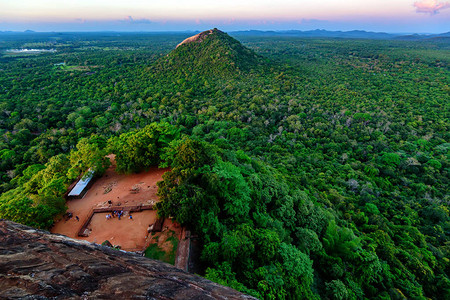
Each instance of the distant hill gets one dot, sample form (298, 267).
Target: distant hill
(356, 34)
(317, 33)
(420, 37)
(211, 52)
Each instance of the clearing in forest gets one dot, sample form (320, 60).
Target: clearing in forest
(117, 190)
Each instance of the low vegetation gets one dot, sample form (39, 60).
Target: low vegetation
(163, 250)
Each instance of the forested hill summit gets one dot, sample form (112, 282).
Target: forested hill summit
(210, 53)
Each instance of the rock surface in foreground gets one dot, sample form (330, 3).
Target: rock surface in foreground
(34, 262)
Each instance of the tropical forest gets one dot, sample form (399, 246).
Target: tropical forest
(308, 167)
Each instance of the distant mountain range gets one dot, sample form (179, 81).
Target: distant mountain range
(354, 34)
(415, 37)
(318, 33)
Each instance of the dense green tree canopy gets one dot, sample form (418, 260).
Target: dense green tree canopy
(309, 168)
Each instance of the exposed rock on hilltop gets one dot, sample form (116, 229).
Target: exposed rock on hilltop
(39, 264)
(197, 38)
(209, 53)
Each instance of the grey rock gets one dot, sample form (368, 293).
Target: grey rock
(36, 264)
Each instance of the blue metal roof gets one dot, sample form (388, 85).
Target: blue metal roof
(82, 183)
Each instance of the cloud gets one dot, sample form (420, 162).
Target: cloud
(431, 7)
(130, 20)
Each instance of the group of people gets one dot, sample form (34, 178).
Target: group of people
(119, 214)
(69, 216)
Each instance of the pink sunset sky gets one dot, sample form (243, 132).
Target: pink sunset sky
(421, 16)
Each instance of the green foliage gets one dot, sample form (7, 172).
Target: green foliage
(231, 188)
(155, 252)
(435, 164)
(337, 149)
(298, 270)
(214, 54)
(187, 155)
(28, 173)
(141, 149)
(340, 242)
(372, 209)
(390, 159)
(90, 155)
(336, 290)
(38, 198)
(362, 117)
(222, 274)
(19, 208)
(308, 241)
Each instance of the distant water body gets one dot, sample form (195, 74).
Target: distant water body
(30, 50)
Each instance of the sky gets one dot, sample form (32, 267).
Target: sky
(393, 16)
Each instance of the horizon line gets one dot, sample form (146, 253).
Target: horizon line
(191, 30)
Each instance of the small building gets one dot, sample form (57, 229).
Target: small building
(82, 186)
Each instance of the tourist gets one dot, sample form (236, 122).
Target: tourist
(130, 217)
(78, 219)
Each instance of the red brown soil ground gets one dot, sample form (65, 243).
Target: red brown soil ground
(131, 235)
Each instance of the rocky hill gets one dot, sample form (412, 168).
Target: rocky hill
(35, 264)
(210, 53)
(198, 38)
